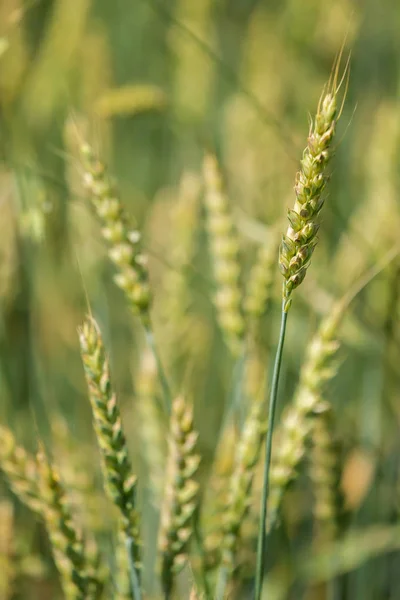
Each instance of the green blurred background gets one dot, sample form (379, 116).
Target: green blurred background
(154, 84)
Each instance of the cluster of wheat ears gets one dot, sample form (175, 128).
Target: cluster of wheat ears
(216, 552)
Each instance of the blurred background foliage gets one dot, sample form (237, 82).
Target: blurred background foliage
(155, 84)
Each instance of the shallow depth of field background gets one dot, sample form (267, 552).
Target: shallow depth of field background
(154, 85)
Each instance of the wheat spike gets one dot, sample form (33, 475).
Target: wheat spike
(152, 426)
(122, 239)
(324, 473)
(300, 240)
(65, 539)
(20, 470)
(259, 286)
(120, 482)
(296, 426)
(241, 483)
(180, 494)
(224, 254)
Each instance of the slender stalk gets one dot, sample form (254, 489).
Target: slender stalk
(235, 394)
(221, 583)
(133, 574)
(160, 369)
(333, 589)
(202, 580)
(261, 544)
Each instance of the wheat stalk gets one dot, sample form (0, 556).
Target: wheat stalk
(296, 426)
(295, 254)
(317, 370)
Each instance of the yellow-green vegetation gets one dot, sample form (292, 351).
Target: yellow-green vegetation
(180, 494)
(193, 176)
(119, 478)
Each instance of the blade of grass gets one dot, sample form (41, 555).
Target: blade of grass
(261, 544)
(160, 369)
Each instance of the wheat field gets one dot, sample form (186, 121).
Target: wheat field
(199, 300)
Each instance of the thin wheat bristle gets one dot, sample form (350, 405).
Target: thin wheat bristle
(224, 253)
(180, 498)
(66, 542)
(20, 470)
(300, 240)
(123, 240)
(120, 482)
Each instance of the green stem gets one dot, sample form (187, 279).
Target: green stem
(160, 369)
(133, 574)
(221, 583)
(332, 589)
(262, 538)
(235, 395)
(202, 580)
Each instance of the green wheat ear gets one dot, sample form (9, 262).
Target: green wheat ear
(324, 472)
(180, 496)
(260, 285)
(239, 496)
(20, 469)
(37, 484)
(123, 240)
(296, 251)
(224, 246)
(120, 482)
(65, 539)
(300, 240)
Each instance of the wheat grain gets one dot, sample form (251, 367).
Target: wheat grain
(224, 253)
